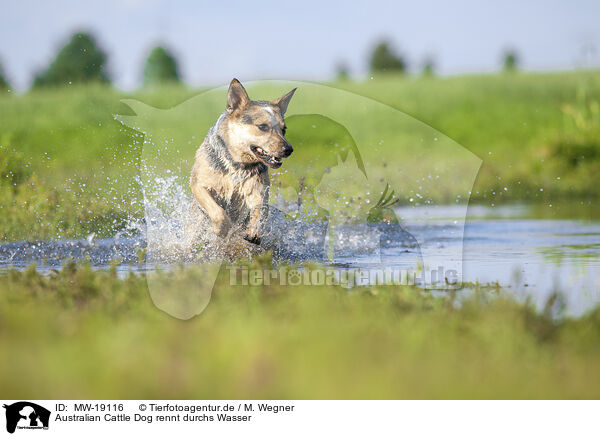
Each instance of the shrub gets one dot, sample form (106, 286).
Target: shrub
(510, 61)
(384, 58)
(79, 61)
(160, 67)
(3, 83)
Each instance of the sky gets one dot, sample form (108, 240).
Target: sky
(305, 40)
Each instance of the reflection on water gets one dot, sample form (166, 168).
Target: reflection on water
(537, 258)
(531, 256)
(49, 255)
(526, 249)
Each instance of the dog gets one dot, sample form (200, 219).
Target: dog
(229, 178)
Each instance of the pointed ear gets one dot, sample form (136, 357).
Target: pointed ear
(284, 100)
(237, 97)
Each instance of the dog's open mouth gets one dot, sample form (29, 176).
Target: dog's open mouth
(271, 161)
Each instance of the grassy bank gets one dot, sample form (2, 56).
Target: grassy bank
(67, 167)
(85, 334)
(537, 134)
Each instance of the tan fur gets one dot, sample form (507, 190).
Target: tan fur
(229, 178)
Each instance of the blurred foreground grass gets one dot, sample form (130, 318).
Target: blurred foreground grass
(67, 168)
(89, 334)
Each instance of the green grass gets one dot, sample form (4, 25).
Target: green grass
(521, 125)
(85, 334)
(538, 136)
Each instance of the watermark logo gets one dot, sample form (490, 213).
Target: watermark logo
(25, 415)
(360, 194)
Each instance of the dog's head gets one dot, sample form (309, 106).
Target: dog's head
(254, 130)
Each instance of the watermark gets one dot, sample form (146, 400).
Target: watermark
(25, 415)
(345, 277)
(337, 178)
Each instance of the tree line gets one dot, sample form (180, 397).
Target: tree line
(81, 60)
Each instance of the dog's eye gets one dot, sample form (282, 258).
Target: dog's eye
(263, 127)
(284, 130)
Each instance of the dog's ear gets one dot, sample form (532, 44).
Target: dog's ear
(237, 97)
(284, 100)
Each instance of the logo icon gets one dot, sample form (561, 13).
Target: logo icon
(26, 415)
(359, 195)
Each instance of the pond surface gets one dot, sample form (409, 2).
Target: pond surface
(531, 253)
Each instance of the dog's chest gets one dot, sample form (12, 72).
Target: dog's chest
(237, 197)
(240, 184)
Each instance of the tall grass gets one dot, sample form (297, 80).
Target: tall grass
(537, 134)
(85, 334)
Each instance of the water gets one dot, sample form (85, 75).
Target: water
(537, 258)
(508, 245)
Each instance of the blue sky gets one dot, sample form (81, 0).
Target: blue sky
(215, 41)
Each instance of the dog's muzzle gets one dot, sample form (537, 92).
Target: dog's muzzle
(267, 159)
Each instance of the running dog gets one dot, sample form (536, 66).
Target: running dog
(230, 179)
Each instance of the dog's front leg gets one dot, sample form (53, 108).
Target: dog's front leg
(258, 205)
(221, 222)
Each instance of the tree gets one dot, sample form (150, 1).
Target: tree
(342, 71)
(510, 61)
(79, 61)
(428, 67)
(160, 67)
(384, 58)
(4, 85)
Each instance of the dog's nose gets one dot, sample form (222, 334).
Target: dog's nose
(287, 149)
